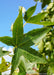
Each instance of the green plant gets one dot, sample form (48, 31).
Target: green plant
(22, 42)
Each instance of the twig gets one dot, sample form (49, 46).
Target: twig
(24, 24)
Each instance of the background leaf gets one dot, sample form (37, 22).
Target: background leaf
(29, 12)
(45, 2)
(4, 65)
(51, 69)
(37, 19)
(2, 53)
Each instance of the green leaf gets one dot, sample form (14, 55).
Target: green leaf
(26, 66)
(45, 2)
(21, 66)
(31, 51)
(43, 68)
(29, 12)
(34, 58)
(2, 53)
(15, 60)
(20, 52)
(37, 19)
(4, 65)
(26, 42)
(51, 69)
(7, 40)
(34, 36)
(18, 28)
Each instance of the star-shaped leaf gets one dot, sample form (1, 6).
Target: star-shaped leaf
(30, 38)
(22, 41)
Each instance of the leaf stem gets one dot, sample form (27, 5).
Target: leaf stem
(24, 24)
